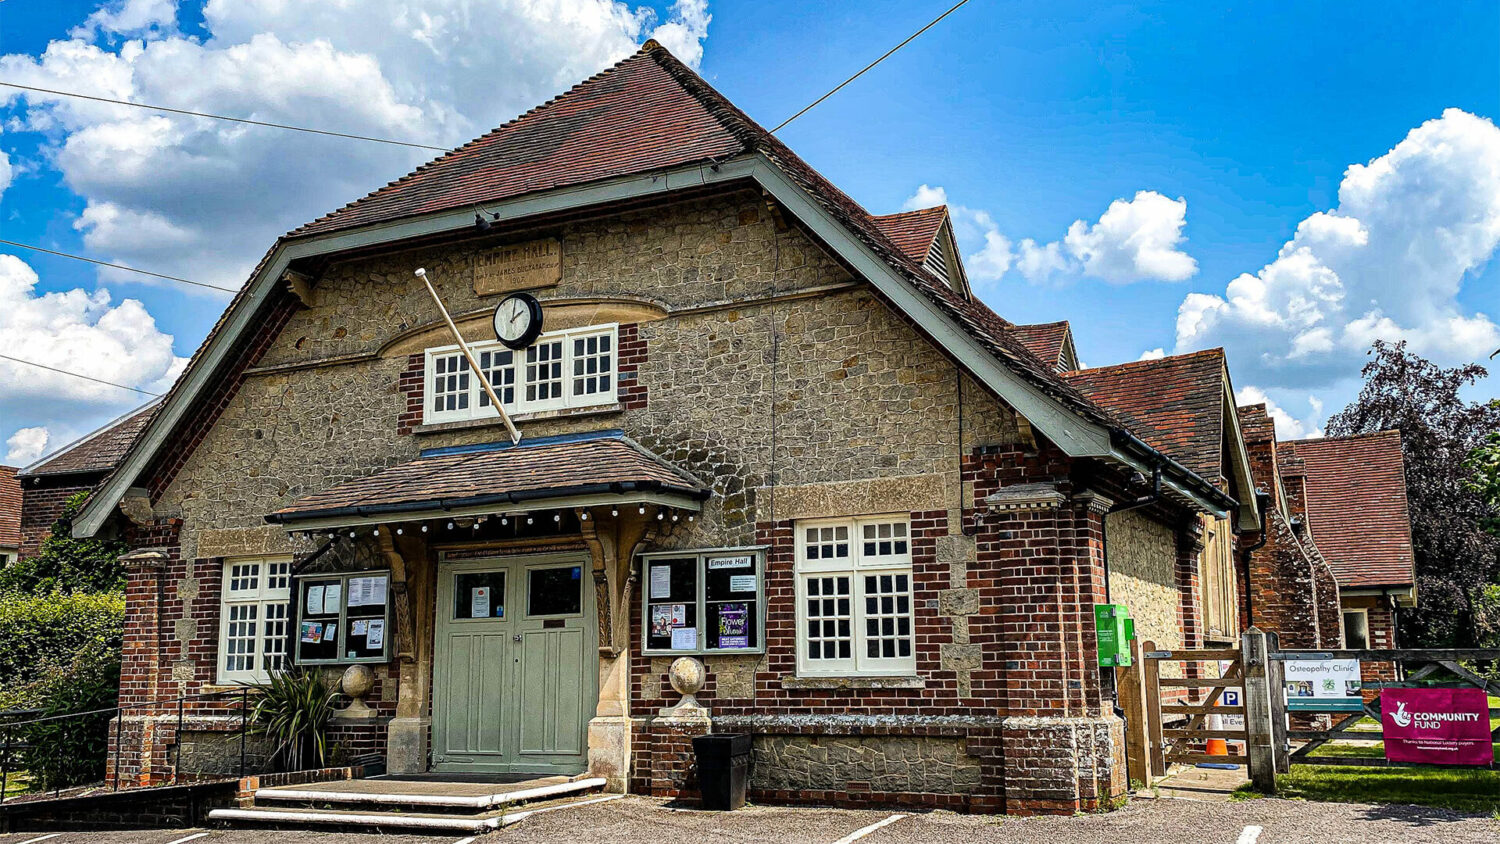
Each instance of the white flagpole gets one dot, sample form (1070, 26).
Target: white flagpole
(515, 435)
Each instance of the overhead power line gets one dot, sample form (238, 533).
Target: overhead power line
(862, 71)
(118, 266)
(223, 117)
(80, 375)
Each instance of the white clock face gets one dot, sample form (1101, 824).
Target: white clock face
(512, 319)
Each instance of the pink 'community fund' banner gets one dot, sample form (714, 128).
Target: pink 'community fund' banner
(1443, 726)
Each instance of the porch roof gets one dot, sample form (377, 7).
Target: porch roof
(577, 470)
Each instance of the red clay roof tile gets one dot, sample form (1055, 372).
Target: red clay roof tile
(99, 451)
(1176, 404)
(1356, 506)
(1046, 340)
(454, 478)
(913, 231)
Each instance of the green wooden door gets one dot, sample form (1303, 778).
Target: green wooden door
(513, 687)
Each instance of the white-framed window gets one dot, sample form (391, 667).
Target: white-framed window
(571, 368)
(253, 617)
(855, 607)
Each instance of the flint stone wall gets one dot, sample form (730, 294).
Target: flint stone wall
(892, 764)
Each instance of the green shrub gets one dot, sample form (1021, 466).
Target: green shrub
(41, 634)
(72, 751)
(65, 564)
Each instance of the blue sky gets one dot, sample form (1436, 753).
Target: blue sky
(1030, 117)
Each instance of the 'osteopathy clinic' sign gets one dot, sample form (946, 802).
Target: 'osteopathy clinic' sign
(1443, 726)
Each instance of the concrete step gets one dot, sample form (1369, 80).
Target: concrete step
(292, 818)
(432, 801)
(303, 818)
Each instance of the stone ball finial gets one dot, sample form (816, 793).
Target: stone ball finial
(357, 682)
(687, 676)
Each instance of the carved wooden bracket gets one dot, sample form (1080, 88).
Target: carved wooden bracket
(406, 640)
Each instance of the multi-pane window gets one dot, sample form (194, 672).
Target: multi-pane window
(562, 369)
(854, 597)
(253, 618)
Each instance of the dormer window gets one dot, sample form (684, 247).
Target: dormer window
(562, 369)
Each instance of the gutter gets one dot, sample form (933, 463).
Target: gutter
(363, 511)
(1187, 481)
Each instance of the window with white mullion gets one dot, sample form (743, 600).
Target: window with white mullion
(544, 375)
(253, 612)
(499, 368)
(855, 602)
(449, 387)
(593, 368)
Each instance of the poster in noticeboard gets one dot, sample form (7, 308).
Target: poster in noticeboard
(1323, 685)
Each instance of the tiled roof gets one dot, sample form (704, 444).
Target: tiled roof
(913, 231)
(10, 508)
(1356, 506)
(532, 471)
(1046, 340)
(1176, 404)
(98, 451)
(633, 117)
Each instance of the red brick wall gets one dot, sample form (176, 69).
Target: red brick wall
(42, 504)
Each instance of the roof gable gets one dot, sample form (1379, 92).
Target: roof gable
(722, 145)
(1052, 342)
(633, 117)
(1356, 506)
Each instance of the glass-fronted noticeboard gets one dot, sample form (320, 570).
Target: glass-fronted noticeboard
(703, 602)
(343, 618)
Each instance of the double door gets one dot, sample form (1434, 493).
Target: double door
(514, 684)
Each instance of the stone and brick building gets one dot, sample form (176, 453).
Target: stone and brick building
(10, 516)
(760, 427)
(79, 466)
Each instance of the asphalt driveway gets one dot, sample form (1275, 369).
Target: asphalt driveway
(635, 819)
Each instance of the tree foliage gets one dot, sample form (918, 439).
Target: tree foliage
(1457, 560)
(65, 564)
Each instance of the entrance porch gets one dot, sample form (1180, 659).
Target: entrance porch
(511, 581)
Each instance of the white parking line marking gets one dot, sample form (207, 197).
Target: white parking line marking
(469, 840)
(43, 838)
(861, 833)
(193, 837)
(1249, 835)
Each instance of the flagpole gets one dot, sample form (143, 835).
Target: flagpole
(515, 435)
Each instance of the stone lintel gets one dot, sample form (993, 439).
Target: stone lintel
(905, 494)
(145, 560)
(244, 542)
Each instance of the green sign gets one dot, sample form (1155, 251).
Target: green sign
(1115, 629)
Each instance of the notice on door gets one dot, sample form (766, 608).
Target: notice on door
(479, 602)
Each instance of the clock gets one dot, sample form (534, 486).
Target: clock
(518, 320)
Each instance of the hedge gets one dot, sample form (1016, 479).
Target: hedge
(41, 634)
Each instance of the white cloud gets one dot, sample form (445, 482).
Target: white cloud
(1153, 354)
(1387, 263)
(1288, 426)
(1135, 239)
(80, 331)
(202, 199)
(25, 446)
(130, 17)
(6, 171)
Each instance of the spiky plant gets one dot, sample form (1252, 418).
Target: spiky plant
(293, 710)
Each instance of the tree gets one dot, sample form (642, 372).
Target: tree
(1484, 463)
(1457, 560)
(65, 564)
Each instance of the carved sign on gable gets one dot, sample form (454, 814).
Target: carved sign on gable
(518, 266)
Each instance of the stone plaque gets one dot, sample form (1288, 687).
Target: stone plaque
(518, 266)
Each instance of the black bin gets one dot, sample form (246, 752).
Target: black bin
(723, 769)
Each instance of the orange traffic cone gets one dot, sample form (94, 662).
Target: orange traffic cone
(1218, 747)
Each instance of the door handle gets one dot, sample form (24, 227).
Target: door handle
(516, 638)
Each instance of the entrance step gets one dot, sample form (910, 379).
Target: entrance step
(425, 796)
(303, 818)
(426, 805)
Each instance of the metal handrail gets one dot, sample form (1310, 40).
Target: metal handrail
(7, 728)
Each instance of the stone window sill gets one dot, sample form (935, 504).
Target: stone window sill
(853, 683)
(518, 418)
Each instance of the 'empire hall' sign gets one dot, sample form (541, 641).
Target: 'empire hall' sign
(518, 266)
